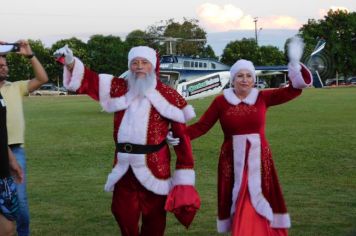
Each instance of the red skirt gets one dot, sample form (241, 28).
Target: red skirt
(246, 221)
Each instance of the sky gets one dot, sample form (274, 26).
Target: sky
(50, 20)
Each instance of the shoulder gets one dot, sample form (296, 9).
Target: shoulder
(171, 95)
(19, 83)
(21, 86)
(118, 87)
(220, 98)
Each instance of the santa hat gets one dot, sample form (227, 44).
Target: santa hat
(242, 64)
(144, 52)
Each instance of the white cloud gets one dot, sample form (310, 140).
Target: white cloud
(227, 17)
(280, 22)
(324, 12)
(223, 18)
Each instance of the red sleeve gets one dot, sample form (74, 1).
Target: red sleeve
(90, 84)
(184, 149)
(274, 97)
(205, 122)
(183, 200)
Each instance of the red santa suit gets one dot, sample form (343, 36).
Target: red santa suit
(245, 147)
(142, 181)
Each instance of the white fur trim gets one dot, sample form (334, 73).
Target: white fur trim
(258, 201)
(239, 163)
(133, 129)
(242, 64)
(108, 103)
(231, 97)
(141, 171)
(281, 221)
(144, 52)
(168, 110)
(295, 75)
(188, 112)
(223, 226)
(165, 109)
(183, 177)
(146, 178)
(134, 124)
(116, 173)
(73, 80)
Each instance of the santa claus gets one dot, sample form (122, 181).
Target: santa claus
(144, 111)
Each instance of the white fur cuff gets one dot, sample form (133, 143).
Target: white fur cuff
(188, 112)
(183, 177)
(300, 76)
(73, 80)
(281, 221)
(223, 226)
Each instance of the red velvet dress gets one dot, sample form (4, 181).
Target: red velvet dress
(247, 180)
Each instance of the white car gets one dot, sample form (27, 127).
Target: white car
(49, 89)
(261, 84)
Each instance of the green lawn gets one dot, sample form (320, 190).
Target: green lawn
(313, 140)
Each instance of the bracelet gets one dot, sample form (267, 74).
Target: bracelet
(30, 56)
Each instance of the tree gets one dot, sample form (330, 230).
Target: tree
(107, 54)
(209, 52)
(245, 48)
(21, 68)
(338, 28)
(46, 58)
(139, 37)
(270, 55)
(186, 38)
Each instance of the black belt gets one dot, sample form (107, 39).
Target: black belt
(137, 148)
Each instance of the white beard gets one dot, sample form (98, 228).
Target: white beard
(139, 86)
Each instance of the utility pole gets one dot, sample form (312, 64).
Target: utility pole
(255, 20)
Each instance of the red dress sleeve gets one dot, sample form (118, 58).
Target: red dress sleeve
(274, 97)
(183, 200)
(205, 122)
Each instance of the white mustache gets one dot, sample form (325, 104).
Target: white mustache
(137, 72)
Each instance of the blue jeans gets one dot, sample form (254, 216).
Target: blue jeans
(23, 221)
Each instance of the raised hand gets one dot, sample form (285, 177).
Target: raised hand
(295, 52)
(64, 55)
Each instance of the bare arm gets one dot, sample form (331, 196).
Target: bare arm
(40, 73)
(15, 168)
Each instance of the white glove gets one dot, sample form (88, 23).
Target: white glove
(295, 52)
(172, 140)
(65, 52)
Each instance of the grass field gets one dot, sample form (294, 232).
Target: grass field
(313, 140)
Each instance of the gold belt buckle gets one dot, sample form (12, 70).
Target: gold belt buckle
(128, 147)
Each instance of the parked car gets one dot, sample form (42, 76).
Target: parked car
(261, 84)
(332, 82)
(49, 89)
(351, 80)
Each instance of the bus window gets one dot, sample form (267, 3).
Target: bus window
(186, 64)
